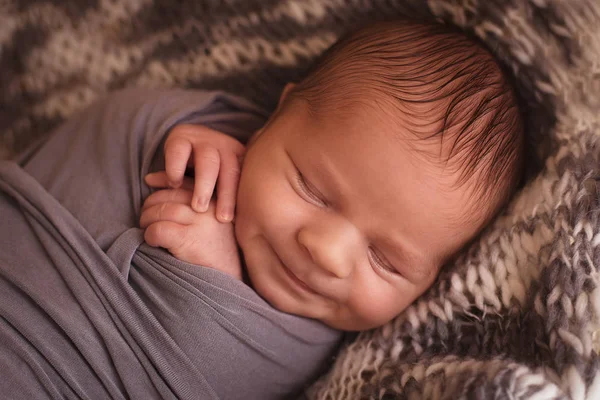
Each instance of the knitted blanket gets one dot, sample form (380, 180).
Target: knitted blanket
(517, 315)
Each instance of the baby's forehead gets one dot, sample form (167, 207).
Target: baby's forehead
(449, 144)
(371, 147)
(386, 129)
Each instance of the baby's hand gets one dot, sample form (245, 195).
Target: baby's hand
(196, 238)
(216, 160)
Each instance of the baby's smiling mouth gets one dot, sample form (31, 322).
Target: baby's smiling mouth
(295, 280)
(298, 281)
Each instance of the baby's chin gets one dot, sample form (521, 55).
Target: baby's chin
(355, 324)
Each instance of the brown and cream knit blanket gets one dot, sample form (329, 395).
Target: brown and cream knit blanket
(517, 316)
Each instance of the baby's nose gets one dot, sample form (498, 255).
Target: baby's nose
(331, 246)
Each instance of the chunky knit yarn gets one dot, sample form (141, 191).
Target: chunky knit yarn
(517, 315)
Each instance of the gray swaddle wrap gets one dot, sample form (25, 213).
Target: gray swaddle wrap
(87, 310)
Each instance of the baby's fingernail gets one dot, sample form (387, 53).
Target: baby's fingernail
(201, 205)
(226, 216)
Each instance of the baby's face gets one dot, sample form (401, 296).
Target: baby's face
(341, 221)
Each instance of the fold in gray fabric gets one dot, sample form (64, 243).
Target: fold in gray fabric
(87, 310)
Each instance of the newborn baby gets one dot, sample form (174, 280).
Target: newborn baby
(375, 170)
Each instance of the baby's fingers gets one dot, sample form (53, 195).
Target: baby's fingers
(207, 162)
(229, 178)
(173, 212)
(180, 196)
(157, 180)
(160, 180)
(178, 150)
(166, 234)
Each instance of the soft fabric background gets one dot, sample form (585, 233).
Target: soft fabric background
(517, 315)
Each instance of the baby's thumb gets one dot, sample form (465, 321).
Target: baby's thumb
(157, 179)
(166, 234)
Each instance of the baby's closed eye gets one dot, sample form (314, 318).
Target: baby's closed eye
(308, 191)
(379, 261)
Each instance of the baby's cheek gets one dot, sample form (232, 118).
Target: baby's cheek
(377, 305)
(276, 208)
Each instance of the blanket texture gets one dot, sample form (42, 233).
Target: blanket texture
(517, 315)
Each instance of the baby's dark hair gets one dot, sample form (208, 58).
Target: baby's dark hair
(442, 84)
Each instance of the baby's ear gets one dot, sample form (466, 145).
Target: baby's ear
(286, 91)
